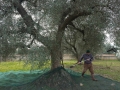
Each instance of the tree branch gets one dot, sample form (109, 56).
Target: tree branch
(72, 46)
(78, 29)
(65, 13)
(30, 25)
(73, 16)
(30, 43)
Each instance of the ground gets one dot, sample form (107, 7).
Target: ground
(58, 79)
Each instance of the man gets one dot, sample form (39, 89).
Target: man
(87, 64)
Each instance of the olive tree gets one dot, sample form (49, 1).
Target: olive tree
(46, 20)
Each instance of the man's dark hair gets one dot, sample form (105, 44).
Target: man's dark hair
(87, 51)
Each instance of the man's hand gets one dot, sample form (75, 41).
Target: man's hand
(88, 59)
(79, 63)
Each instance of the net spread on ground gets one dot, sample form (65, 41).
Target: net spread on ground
(54, 80)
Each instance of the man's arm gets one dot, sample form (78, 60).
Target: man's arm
(80, 59)
(91, 58)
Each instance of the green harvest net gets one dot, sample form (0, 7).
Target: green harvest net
(54, 80)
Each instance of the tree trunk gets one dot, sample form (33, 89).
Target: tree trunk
(56, 52)
(55, 59)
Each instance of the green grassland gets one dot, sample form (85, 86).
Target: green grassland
(22, 66)
(14, 66)
(106, 68)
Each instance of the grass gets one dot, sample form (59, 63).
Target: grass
(106, 68)
(14, 66)
(21, 66)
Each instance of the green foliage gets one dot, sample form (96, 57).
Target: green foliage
(37, 56)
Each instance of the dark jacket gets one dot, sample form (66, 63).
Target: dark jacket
(87, 58)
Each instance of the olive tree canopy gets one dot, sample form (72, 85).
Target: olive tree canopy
(24, 22)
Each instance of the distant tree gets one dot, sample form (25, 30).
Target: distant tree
(77, 43)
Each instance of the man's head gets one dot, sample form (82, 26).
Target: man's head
(87, 51)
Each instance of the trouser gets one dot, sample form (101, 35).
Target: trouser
(90, 67)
